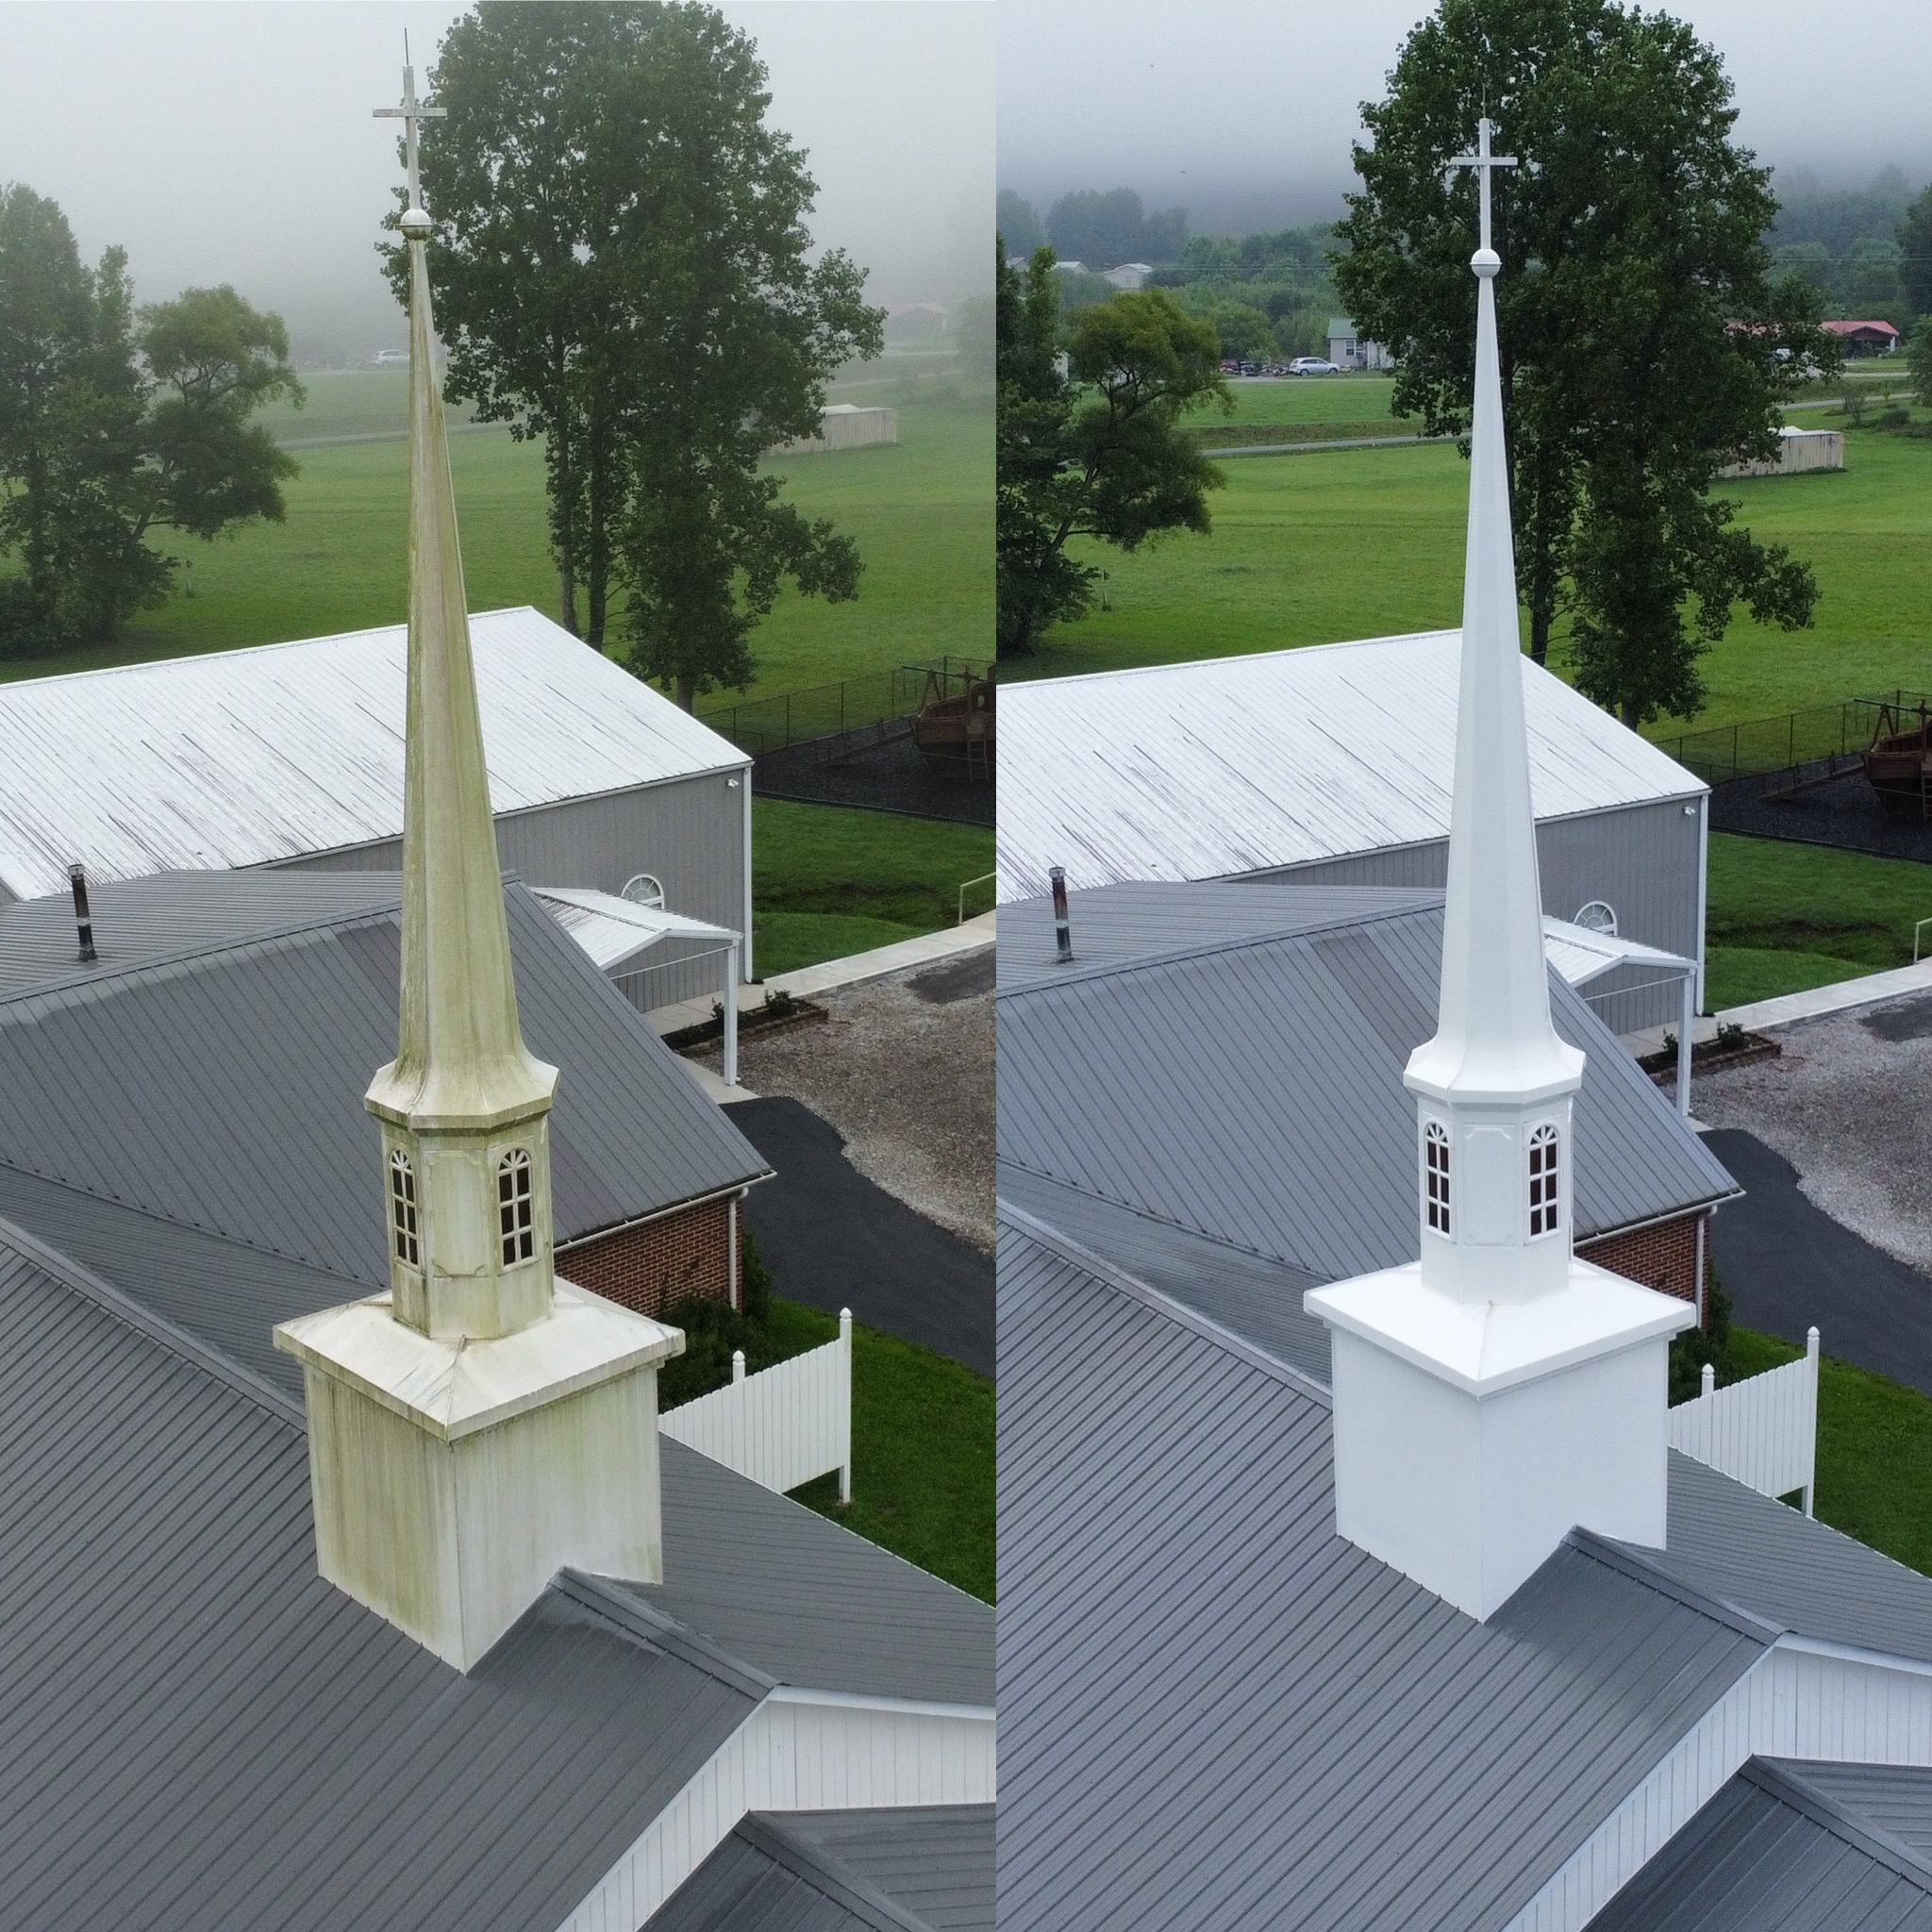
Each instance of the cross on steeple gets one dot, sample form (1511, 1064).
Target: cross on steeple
(411, 115)
(1483, 162)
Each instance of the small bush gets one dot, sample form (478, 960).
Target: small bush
(713, 1330)
(1710, 1343)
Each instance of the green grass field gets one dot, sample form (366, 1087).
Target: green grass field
(1344, 543)
(920, 513)
(1783, 917)
(829, 880)
(1875, 1451)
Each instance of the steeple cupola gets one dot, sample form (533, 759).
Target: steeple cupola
(483, 1424)
(1498, 1392)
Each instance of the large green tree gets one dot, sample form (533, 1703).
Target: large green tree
(623, 269)
(1644, 339)
(1915, 252)
(1087, 439)
(116, 425)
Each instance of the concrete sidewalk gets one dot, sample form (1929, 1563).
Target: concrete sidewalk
(1839, 997)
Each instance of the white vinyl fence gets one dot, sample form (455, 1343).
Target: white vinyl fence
(782, 1426)
(1763, 1430)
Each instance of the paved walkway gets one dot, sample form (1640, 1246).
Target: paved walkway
(1840, 997)
(1787, 1265)
(834, 1240)
(1295, 449)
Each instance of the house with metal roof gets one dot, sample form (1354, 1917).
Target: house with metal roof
(291, 756)
(328, 1606)
(1226, 1060)
(1396, 1609)
(1336, 763)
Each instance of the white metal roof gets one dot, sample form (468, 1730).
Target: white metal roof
(245, 758)
(612, 931)
(1242, 764)
(1580, 954)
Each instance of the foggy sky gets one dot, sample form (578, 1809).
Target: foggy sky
(226, 142)
(1243, 111)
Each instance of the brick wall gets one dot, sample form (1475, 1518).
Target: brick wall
(1663, 1257)
(657, 1264)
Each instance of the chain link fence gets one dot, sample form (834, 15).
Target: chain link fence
(837, 711)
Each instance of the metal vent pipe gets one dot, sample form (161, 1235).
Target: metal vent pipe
(83, 920)
(1062, 931)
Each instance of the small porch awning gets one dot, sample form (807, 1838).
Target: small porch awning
(1581, 955)
(614, 931)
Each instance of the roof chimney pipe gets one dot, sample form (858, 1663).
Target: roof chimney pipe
(83, 920)
(1062, 932)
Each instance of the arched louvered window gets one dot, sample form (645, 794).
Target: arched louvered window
(402, 1208)
(513, 1211)
(1436, 1175)
(1545, 1181)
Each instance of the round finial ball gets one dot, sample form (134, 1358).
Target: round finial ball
(416, 224)
(1485, 261)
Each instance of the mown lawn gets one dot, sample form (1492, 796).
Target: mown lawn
(1344, 543)
(828, 880)
(1875, 1451)
(921, 1446)
(1783, 917)
(920, 513)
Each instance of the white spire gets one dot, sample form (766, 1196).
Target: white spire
(1500, 1392)
(411, 116)
(1494, 1048)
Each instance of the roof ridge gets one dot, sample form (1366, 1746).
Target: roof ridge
(1784, 1779)
(1629, 1560)
(1396, 636)
(609, 1598)
(1425, 899)
(766, 1832)
(333, 637)
(84, 1282)
(1161, 1303)
(360, 1287)
(206, 949)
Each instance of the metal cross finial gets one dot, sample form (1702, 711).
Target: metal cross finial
(410, 115)
(1482, 161)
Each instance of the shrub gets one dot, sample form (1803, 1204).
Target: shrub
(1709, 1343)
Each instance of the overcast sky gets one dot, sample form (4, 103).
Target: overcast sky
(1243, 111)
(234, 143)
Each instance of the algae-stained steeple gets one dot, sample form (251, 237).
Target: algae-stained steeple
(463, 1102)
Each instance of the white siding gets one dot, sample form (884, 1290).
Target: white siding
(797, 1753)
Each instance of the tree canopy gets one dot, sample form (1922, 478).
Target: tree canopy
(1644, 341)
(623, 268)
(1104, 230)
(115, 424)
(1089, 443)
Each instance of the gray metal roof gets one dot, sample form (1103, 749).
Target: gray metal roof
(136, 920)
(198, 1731)
(1249, 1090)
(1778, 1847)
(222, 1090)
(1256, 762)
(1216, 1712)
(901, 1870)
(803, 1601)
(249, 757)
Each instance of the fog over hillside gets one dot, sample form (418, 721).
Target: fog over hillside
(1244, 112)
(221, 142)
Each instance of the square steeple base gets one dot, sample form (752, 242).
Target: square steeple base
(1472, 1437)
(451, 1480)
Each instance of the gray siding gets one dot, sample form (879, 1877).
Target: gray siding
(688, 832)
(1642, 859)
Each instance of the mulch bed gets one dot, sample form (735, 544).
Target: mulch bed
(1708, 1057)
(771, 1018)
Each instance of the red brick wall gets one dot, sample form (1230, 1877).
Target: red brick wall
(657, 1264)
(1663, 1257)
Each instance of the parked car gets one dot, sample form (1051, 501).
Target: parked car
(1312, 365)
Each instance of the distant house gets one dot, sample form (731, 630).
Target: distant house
(1129, 275)
(1347, 350)
(1865, 338)
(1072, 268)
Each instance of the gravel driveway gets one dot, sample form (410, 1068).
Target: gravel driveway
(1849, 1104)
(904, 1069)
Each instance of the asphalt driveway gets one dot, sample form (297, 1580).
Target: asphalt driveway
(1787, 1264)
(834, 1240)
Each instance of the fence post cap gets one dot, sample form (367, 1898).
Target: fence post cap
(738, 1365)
(1811, 1340)
(1709, 1379)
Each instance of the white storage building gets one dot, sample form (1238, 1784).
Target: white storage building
(292, 755)
(1337, 762)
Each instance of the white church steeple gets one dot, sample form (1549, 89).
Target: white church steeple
(1494, 1085)
(483, 1424)
(1498, 1392)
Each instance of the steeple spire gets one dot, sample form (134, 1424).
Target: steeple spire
(462, 1079)
(1495, 1057)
